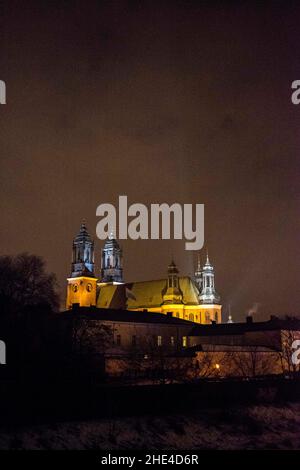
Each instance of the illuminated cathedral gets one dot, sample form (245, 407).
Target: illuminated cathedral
(193, 299)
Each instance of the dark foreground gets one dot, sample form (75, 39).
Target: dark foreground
(227, 414)
(249, 427)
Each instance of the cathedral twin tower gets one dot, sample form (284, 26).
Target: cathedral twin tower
(82, 285)
(186, 298)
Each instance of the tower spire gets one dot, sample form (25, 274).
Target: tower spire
(198, 261)
(198, 273)
(112, 235)
(229, 314)
(172, 292)
(207, 258)
(208, 293)
(111, 261)
(81, 287)
(83, 253)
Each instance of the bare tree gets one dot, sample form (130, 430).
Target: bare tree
(285, 354)
(85, 346)
(209, 363)
(158, 363)
(25, 283)
(89, 336)
(252, 363)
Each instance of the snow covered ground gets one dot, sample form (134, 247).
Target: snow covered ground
(254, 427)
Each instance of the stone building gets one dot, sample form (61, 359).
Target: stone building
(145, 343)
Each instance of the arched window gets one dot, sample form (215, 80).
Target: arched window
(216, 317)
(191, 317)
(207, 317)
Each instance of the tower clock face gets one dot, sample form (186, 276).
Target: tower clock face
(75, 287)
(89, 287)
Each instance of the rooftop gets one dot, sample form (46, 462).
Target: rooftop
(274, 323)
(118, 315)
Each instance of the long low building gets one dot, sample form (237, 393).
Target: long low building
(138, 341)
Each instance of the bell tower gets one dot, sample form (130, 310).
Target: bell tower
(111, 261)
(208, 293)
(173, 294)
(209, 299)
(82, 283)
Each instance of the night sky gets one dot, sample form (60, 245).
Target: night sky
(181, 101)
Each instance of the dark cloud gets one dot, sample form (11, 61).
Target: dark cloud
(165, 102)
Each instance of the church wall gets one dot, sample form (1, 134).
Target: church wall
(82, 291)
(202, 314)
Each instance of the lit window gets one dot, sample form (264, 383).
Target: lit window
(184, 341)
(207, 319)
(191, 317)
(172, 340)
(159, 341)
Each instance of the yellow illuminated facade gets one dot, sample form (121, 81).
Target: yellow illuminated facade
(179, 296)
(194, 300)
(182, 300)
(205, 314)
(82, 291)
(82, 285)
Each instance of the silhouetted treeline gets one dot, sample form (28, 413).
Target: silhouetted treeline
(24, 283)
(41, 345)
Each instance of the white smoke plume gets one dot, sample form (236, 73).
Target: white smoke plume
(253, 310)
